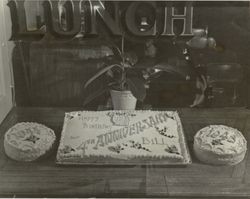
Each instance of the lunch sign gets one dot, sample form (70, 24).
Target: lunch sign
(84, 17)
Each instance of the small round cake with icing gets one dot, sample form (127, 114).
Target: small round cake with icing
(27, 141)
(220, 145)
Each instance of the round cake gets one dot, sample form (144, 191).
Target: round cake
(27, 141)
(220, 145)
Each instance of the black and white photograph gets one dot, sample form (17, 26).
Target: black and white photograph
(124, 99)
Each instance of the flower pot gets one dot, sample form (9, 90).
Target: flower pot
(123, 100)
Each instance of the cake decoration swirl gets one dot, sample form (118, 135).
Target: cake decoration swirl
(172, 149)
(220, 144)
(28, 141)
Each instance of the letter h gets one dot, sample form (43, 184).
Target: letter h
(170, 17)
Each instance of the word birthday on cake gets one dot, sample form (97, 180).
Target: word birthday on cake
(85, 16)
(122, 133)
(95, 126)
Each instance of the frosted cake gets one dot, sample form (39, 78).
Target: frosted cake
(220, 145)
(122, 137)
(27, 141)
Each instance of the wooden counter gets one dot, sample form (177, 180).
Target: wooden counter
(46, 179)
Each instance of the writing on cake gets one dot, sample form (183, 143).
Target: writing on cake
(122, 133)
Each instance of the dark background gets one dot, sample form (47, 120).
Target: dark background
(52, 73)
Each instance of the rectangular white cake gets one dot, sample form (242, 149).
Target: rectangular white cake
(122, 137)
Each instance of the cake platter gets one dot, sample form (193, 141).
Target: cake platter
(123, 138)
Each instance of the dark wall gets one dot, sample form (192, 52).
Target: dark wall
(52, 74)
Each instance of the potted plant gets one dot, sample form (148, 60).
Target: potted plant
(124, 83)
(125, 79)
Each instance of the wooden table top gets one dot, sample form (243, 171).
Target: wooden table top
(46, 179)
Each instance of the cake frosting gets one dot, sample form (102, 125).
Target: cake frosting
(122, 136)
(220, 144)
(27, 141)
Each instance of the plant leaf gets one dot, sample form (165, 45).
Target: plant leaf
(94, 95)
(98, 74)
(137, 87)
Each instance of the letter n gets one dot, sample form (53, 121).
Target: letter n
(112, 24)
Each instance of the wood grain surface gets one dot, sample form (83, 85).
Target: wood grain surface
(44, 178)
